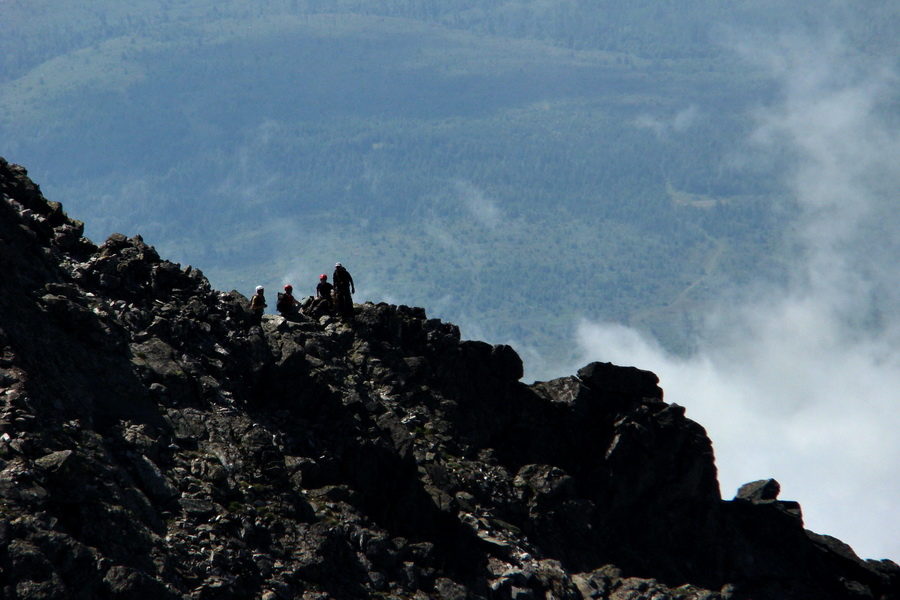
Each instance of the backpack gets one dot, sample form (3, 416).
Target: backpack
(284, 303)
(340, 277)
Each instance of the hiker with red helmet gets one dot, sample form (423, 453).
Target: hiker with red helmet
(287, 304)
(324, 290)
(323, 302)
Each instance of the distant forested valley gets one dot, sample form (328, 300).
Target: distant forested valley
(512, 166)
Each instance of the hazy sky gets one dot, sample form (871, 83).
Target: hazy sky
(803, 384)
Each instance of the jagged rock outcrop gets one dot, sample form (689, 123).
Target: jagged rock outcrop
(154, 444)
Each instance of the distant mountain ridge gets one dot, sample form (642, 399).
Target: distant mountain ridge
(154, 444)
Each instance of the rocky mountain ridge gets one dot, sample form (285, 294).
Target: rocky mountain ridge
(155, 444)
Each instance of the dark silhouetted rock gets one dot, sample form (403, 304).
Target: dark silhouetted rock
(154, 443)
(759, 491)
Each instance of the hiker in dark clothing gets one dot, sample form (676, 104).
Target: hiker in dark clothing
(257, 305)
(323, 302)
(343, 287)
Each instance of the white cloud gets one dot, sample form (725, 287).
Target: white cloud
(685, 119)
(480, 206)
(662, 128)
(819, 417)
(804, 384)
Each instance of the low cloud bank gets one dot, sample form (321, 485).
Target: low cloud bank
(803, 384)
(820, 418)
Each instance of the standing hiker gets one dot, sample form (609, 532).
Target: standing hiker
(258, 305)
(343, 288)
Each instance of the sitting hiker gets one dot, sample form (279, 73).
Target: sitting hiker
(323, 302)
(287, 304)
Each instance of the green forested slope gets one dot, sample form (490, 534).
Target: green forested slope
(513, 166)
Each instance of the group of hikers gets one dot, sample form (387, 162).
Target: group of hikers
(330, 298)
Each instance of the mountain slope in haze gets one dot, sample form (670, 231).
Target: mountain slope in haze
(155, 444)
(446, 155)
